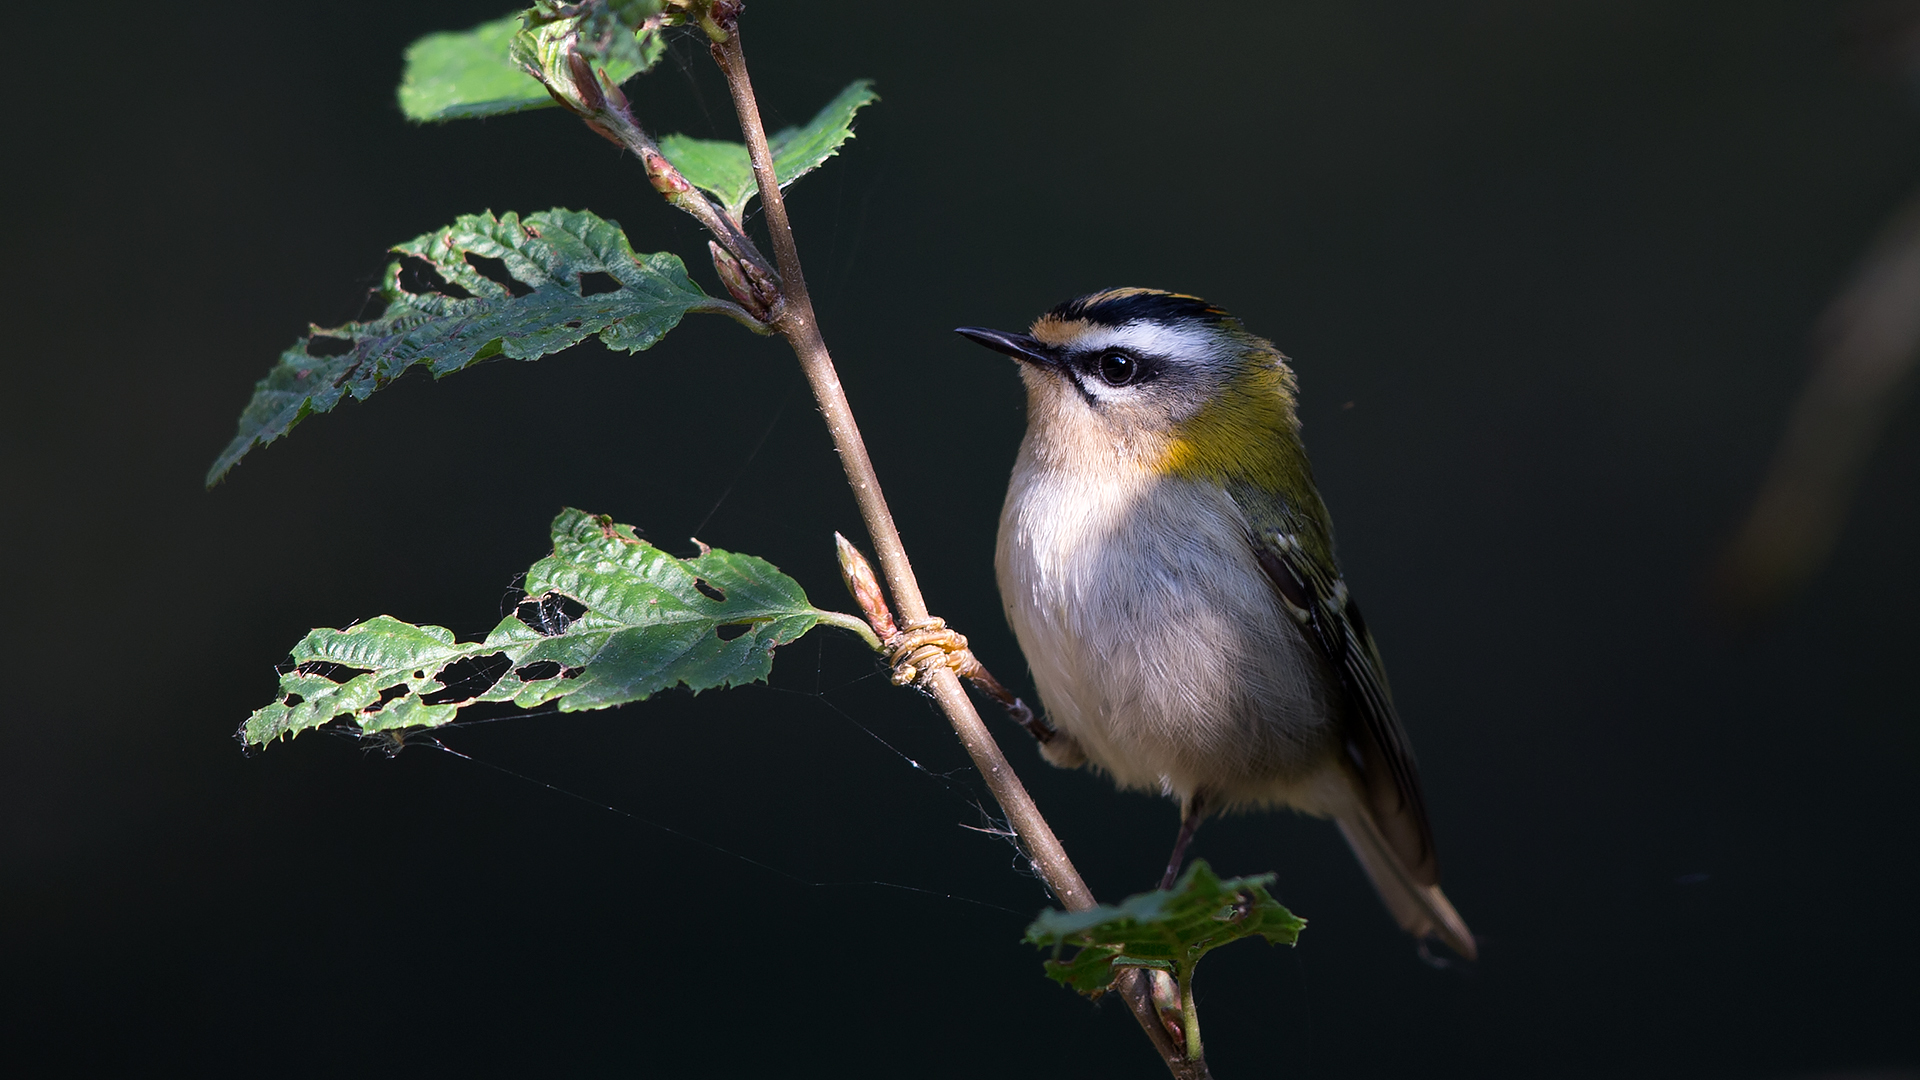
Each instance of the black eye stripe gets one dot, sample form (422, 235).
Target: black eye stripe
(1079, 383)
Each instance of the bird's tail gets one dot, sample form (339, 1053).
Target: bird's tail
(1422, 909)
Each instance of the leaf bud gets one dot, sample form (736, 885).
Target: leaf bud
(865, 587)
(662, 175)
(584, 82)
(720, 19)
(734, 277)
(569, 46)
(615, 95)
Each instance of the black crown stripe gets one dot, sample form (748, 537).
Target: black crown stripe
(1117, 307)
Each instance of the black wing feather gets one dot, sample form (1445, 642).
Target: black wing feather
(1376, 743)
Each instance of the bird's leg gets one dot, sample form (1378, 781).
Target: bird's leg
(1191, 811)
(1166, 992)
(1017, 710)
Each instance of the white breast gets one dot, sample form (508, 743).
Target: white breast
(1154, 637)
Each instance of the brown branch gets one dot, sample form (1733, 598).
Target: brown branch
(794, 319)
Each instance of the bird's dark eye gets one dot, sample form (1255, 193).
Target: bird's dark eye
(1117, 368)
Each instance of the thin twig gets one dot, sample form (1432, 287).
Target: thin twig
(605, 108)
(794, 319)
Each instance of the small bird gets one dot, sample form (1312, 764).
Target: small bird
(1167, 565)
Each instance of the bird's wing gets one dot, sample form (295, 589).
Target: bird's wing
(1300, 565)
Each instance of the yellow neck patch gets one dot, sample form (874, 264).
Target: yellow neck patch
(1247, 433)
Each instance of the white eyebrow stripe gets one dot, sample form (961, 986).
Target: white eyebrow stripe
(1149, 338)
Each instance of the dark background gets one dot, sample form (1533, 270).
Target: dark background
(1548, 272)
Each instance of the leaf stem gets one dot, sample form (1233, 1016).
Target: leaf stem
(855, 624)
(717, 306)
(793, 317)
(1190, 1014)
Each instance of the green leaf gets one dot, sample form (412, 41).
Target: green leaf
(722, 169)
(555, 257)
(650, 622)
(453, 75)
(1169, 929)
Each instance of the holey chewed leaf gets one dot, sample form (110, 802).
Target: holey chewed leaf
(721, 168)
(608, 619)
(456, 74)
(1169, 929)
(481, 288)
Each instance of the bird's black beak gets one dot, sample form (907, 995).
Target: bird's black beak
(1018, 346)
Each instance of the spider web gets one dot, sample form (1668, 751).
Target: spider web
(957, 785)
